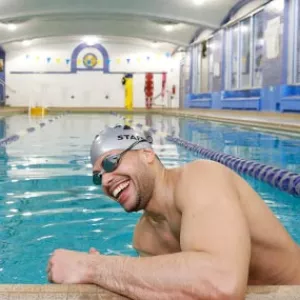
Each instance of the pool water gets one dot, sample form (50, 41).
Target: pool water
(48, 201)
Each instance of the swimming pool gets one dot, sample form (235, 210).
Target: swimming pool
(48, 201)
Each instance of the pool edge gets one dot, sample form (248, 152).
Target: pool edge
(78, 291)
(224, 116)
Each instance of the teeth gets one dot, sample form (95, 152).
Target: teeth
(120, 188)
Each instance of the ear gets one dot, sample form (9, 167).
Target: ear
(148, 155)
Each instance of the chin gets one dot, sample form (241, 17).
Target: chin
(132, 206)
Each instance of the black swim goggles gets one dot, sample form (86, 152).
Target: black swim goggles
(111, 162)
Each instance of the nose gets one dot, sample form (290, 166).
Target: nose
(107, 179)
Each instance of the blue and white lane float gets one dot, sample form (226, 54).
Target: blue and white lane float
(15, 137)
(279, 178)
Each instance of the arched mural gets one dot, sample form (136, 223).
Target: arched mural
(83, 46)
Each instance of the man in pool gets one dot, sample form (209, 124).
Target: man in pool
(204, 232)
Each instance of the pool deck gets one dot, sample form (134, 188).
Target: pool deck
(269, 120)
(274, 121)
(91, 292)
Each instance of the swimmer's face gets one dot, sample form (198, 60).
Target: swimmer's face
(131, 183)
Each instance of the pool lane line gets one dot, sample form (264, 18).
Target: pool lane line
(282, 179)
(15, 137)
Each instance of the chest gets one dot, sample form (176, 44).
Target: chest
(166, 234)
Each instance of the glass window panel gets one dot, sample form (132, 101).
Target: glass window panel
(210, 54)
(258, 45)
(204, 67)
(234, 57)
(199, 70)
(298, 44)
(245, 57)
(195, 71)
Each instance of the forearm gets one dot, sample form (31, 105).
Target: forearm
(174, 276)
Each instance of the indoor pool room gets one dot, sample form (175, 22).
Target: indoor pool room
(150, 150)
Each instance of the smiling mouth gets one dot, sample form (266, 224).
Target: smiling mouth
(119, 189)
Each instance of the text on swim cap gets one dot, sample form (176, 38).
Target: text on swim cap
(129, 137)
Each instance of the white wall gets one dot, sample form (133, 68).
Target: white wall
(89, 88)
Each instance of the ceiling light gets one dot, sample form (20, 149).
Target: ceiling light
(198, 2)
(168, 28)
(11, 27)
(26, 43)
(90, 40)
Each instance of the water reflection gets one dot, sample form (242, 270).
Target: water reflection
(279, 151)
(47, 195)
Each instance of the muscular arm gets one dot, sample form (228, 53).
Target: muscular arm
(215, 246)
(214, 240)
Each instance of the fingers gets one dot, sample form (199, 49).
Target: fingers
(94, 251)
(50, 277)
(49, 271)
(49, 268)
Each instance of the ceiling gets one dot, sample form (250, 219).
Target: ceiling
(172, 22)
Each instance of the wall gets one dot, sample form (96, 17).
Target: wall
(49, 75)
(257, 77)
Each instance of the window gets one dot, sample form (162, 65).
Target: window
(234, 53)
(297, 61)
(195, 80)
(201, 56)
(210, 55)
(199, 70)
(245, 42)
(258, 45)
(245, 57)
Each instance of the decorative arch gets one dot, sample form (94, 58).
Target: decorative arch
(83, 46)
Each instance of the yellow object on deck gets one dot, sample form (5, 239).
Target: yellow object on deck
(38, 111)
(129, 91)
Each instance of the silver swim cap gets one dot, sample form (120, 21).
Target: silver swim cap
(117, 138)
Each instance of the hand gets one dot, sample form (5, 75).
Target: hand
(70, 266)
(94, 251)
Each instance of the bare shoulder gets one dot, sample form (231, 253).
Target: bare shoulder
(205, 170)
(204, 178)
(204, 164)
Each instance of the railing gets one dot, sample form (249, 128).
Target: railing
(167, 95)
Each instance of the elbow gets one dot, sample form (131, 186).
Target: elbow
(230, 289)
(214, 289)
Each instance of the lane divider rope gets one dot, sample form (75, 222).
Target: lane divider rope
(15, 137)
(279, 178)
